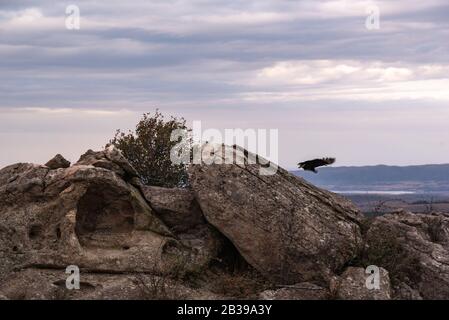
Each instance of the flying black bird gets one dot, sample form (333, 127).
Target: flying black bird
(311, 165)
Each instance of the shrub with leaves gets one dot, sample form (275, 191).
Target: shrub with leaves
(386, 250)
(148, 150)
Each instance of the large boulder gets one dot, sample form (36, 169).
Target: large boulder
(89, 215)
(414, 248)
(286, 228)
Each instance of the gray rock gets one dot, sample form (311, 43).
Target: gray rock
(414, 249)
(111, 159)
(352, 286)
(58, 162)
(177, 207)
(282, 225)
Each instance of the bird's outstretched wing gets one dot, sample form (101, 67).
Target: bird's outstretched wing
(324, 162)
(312, 164)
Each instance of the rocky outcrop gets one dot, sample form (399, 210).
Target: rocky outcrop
(58, 162)
(414, 248)
(286, 228)
(110, 159)
(132, 241)
(89, 215)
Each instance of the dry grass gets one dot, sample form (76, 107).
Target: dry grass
(153, 287)
(246, 285)
(435, 229)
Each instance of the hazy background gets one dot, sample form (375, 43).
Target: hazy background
(308, 68)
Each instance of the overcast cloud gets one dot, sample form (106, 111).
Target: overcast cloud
(309, 68)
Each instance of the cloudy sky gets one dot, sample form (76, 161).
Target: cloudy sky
(308, 68)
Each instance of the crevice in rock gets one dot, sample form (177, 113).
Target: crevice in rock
(229, 258)
(44, 182)
(58, 232)
(35, 232)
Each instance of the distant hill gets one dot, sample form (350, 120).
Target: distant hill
(422, 178)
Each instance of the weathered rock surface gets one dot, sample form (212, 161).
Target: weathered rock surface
(110, 159)
(47, 284)
(88, 215)
(57, 162)
(283, 226)
(415, 249)
(176, 207)
(403, 291)
(300, 291)
(352, 286)
(179, 210)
